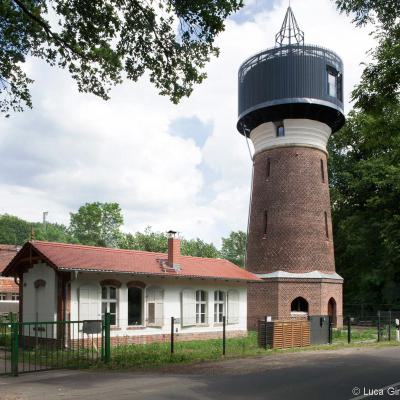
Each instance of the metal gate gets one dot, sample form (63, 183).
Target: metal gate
(41, 346)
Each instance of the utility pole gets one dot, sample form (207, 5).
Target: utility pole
(45, 213)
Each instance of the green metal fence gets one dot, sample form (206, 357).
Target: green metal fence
(44, 345)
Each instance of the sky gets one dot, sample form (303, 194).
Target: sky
(182, 167)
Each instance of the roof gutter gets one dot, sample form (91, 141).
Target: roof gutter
(160, 275)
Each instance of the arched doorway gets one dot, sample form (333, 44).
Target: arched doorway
(299, 305)
(332, 310)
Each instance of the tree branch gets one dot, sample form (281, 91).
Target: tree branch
(47, 29)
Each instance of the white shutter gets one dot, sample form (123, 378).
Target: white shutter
(89, 303)
(188, 307)
(155, 304)
(233, 307)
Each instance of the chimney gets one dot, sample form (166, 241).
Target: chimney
(174, 249)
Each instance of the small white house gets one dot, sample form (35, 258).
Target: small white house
(141, 290)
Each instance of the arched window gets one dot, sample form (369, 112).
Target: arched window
(299, 304)
(332, 310)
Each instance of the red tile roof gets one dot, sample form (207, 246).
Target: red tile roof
(7, 253)
(7, 285)
(87, 258)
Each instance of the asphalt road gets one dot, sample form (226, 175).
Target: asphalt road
(308, 375)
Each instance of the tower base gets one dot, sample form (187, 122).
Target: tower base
(277, 297)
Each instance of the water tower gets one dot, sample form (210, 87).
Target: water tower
(290, 102)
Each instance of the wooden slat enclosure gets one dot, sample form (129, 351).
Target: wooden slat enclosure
(285, 334)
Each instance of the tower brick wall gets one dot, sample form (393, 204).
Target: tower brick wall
(290, 197)
(274, 297)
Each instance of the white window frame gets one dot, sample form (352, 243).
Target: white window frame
(219, 306)
(199, 303)
(3, 296)
(108, 301)
(15, 296)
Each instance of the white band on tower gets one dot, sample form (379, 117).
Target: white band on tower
(297, 132)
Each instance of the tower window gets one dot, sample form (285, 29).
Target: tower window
(326, 225)
(280, 130)
(268, 167)
(334, 83)
(322, 170)
(265, 222)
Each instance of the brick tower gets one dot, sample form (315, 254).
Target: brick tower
(290, 102)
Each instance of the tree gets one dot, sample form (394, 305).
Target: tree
(100, 42)
(199, 248)
(158, 242)
(146, 241)
(365, 191)
(97, 224)
(53, 232)
(234, 247)
(380, 82)
(14, 230)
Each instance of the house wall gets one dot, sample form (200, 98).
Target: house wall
(39, 304)
(172, 306)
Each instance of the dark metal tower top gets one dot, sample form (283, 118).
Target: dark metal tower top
(290, 32)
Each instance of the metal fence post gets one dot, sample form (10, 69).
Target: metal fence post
(390, 326)
(330, 333)
(14, 348)
(107, 338)
(379, 326)
(265, 332)
(223, 335)
(348, 330)
(172, 334)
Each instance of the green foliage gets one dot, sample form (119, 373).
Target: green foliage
(158, 242)
(14, 230)
(97, 224)
(101, 42)
(380, 82)
(234, 247)
(146, 241)
(365, 190)
(157, 354)
(198, 248)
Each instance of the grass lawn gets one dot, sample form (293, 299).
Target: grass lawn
(158, 354)
(147, 356)
(362, 334)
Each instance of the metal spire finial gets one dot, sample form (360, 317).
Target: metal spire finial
(290, 32)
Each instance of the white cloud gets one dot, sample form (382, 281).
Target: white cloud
(73, 148)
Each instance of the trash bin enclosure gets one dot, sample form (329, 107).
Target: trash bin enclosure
(284, 334)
